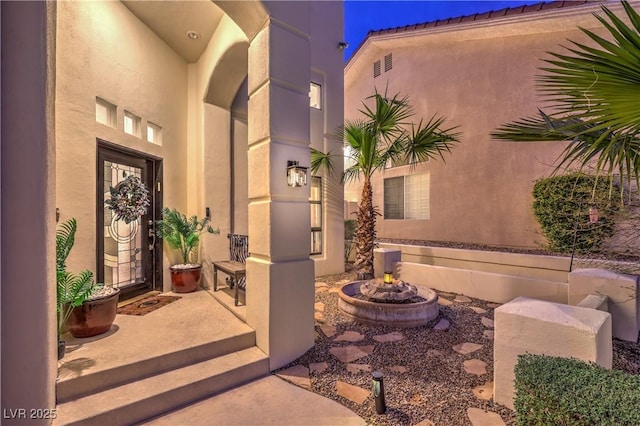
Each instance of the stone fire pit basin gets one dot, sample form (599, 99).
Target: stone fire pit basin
(401, 315)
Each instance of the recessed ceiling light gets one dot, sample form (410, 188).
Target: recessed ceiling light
(193, 35)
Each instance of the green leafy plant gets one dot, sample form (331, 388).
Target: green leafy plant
(350, 226)
(561, 206)
(183, 233)
(562, 391)
(594, 92)
(72, 289)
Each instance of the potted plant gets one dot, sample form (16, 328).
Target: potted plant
(183, 234)
(78, 295)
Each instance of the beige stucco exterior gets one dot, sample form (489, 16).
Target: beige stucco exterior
(478, 74)
(102, 49)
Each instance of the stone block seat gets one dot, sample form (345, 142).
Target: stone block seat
(235, 268)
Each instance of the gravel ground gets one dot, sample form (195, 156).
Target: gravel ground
(435, 386)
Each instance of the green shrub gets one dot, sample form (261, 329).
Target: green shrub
(561, 206)
(560, 391)
(350, 226)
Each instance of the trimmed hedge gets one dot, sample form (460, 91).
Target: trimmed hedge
(561, 204)
(561, 391)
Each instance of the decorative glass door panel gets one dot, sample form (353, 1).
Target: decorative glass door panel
(122, 241)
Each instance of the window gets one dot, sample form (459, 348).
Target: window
(388, 62)
(106, 113)
(315, 96)
(132, 124)
(154, 133)
(315, 200)
(407, 197)
(376, 69)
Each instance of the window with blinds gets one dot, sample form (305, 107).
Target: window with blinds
(315, 200)
(407, 197)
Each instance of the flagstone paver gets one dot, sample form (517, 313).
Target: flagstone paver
(342, 282)
(319, 306)
(318, 367)
(493, 305)
(321, 290)
(466, 348)
(333, 290)
(357, 368)
(394, 336)
(352, 393)
(328, 330)
(398, 369)
(478, 310)
(462, 299)
(487, 322)
(442, 325)
(434, 352)
(350, 336)
(447, 295)
(444, 302)
(475, 366)
(318, 316)
(321, 284)
(417, 399)
(484, 391)
(298, 375)
(488, 334)
(351, 353)
(426, 422)
(479, 417)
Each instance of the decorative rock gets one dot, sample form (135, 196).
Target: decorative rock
(321, 284)
(298, 375)
(487, 322)
(351, 353)
(352, 393)
(478, 310)
(444, 302)
(398, 369)
(466, 348)
(394, 336)
(318, 316)
(442, 325)
(319, 306)
(493, 305)
(426, 422)
(350, 336)
(483, 391)
(462, 299)
(334, 290)
(357, 368)
(475, 366)
(417, 399)
(488, 334)
(318, 367)
(328, 330)
(479, 417)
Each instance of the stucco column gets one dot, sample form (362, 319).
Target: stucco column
(280, 274)
(28, 224)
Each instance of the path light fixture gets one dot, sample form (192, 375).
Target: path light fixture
(388, 277)
(343, 45)
(593, 214)
(378, 392)
(296, 174)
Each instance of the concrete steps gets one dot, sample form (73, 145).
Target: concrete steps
(144, 398)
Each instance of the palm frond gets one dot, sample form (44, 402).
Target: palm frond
(428, 141)
(321, 161)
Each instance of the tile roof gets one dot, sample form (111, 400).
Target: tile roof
(508, 11)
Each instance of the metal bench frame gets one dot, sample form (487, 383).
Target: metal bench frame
(235, 268)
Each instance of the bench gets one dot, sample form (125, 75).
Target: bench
(235, 267)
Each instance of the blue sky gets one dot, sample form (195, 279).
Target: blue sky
(362, 16)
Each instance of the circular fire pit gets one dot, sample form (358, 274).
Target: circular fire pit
(403, 315)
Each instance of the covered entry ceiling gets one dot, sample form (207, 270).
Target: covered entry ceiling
(172, 20)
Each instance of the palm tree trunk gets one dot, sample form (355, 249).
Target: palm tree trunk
(366, 233)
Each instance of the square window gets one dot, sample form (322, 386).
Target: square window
(132, 124)
(106, 113)
(407, 197)
(154, 133)
(315, 96)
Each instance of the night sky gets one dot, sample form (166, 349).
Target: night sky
(362, 16)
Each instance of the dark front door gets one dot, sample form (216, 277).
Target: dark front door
(128, 257)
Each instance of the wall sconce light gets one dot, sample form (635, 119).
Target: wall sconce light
(343, 45)
(296, 175)
(388, 277)
(593, 214)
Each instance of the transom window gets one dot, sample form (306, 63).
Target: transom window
(315, 95)
(407, 197)
(132, 124)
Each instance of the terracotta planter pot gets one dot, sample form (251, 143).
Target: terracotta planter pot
(185, 280)
(93, 317)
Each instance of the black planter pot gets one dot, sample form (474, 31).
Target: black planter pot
(61, 348)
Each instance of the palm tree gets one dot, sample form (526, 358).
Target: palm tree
(383, 135)
(595, 93)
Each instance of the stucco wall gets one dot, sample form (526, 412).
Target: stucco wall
(479, 75)
(103, 50)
